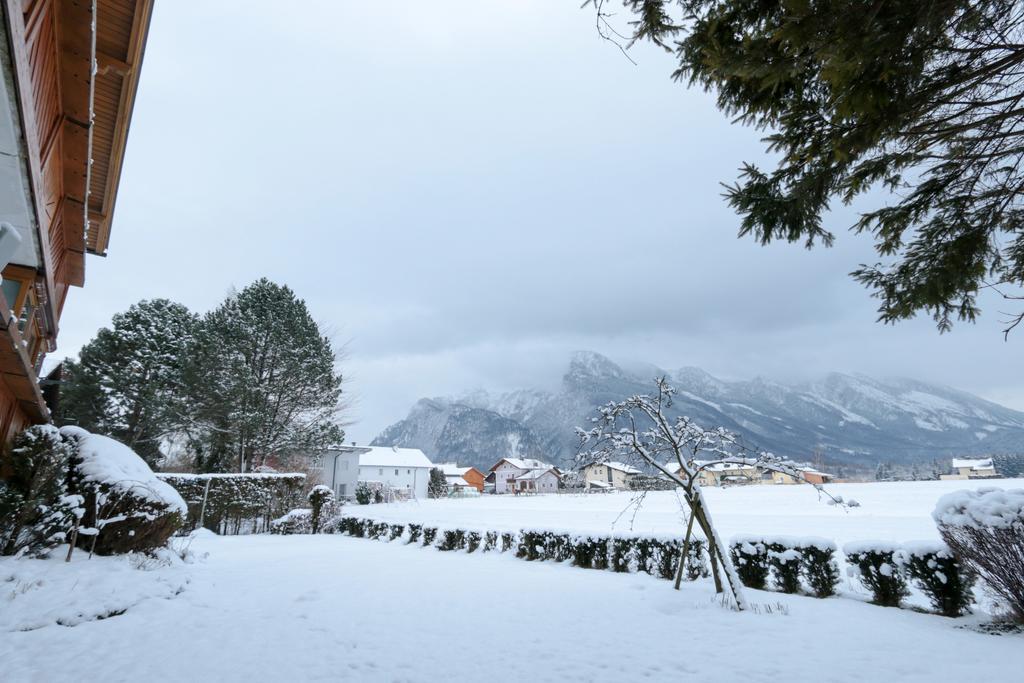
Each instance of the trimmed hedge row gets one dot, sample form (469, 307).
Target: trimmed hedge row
(786, 561)
(654, 556)
(237, 503)
(883, 568)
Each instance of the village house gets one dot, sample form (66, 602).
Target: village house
(340, 470)
(963, 468)
(406, 471)
(609, 475)
(68, 76)
(462, 477)
(525, 475)
(741, 474)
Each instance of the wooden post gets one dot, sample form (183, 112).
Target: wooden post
(685, 551)
(206, 494)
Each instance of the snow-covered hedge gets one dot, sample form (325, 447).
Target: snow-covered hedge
(940, 576)
(879, 566)
(787, 559)
(125, 506)
(237, 503)
(984, 529)
(658, 556)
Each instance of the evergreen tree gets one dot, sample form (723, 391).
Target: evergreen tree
(261, 382)
(437, 487)
(919, 99)
(127, 381)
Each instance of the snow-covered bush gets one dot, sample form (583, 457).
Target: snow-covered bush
(818, 566)
(621, 554)
(490, 541)
(414, 532)
(531, 545)
(644, 551)
(985, 530)
(321, 505)
(940, 576)
(396, 532)
(429, 534)
(784, 559)
(237, 503)
(452, 539)
(473, 539)
(590, 552)
(557, 546)
(750, 556)
(508, 540)
(879, 566)
(36, 511)
(293, 522)
(127, 508)
(364, 494)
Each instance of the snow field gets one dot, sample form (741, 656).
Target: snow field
(888, 511)
(309, 608)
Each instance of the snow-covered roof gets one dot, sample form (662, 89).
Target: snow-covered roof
(622, 467)
(451, 469)
(524, 464)
(536, 474)
(811, 470)
(458, 482)
(979, 464)
(599, 484)
(392, 456)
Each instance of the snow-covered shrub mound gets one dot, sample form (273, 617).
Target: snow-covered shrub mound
(293, 522)
(984, 529)
(126, 507)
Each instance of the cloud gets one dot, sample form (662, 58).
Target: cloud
(469, 191)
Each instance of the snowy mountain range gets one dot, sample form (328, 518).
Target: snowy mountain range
(848, 418)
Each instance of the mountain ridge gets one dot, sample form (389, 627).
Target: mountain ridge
(854, 419)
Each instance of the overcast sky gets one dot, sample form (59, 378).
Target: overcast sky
(466, 192)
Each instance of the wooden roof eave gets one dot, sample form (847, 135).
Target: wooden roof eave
(110, 137)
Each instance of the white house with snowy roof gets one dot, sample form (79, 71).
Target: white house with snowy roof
(968, 468)
(525, 475)
(404, 470)
(609, 475)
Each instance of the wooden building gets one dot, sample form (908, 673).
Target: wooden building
(69, 71)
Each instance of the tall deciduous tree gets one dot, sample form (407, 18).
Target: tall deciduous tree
(924, 99)
(127, 381)
(261, 382)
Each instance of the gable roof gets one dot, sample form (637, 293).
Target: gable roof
(523, 464)
(451, 469)
(620, 466)
(390, 456)
(536, 474)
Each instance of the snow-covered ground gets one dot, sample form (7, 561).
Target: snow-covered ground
(298, 608)
(891, 511)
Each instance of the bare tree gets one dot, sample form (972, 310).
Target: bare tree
(639, 429)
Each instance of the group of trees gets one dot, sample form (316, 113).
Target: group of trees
(249, 383)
